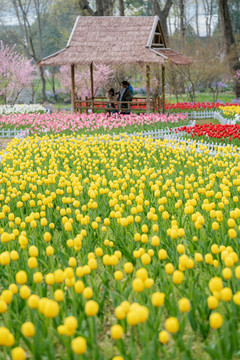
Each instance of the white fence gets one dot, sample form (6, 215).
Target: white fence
(175, 140)
(197, 115)
(204, 148)
(201, 115)
(154, 134)
(7, 134)
(213, 147)
(221, 119)
(17, 133)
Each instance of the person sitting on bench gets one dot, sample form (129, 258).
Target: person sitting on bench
(111, 98)
(125, 95)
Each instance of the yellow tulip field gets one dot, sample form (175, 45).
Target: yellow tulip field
(118, 249)
(230, 111)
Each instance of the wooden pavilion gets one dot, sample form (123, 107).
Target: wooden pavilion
(116, 40)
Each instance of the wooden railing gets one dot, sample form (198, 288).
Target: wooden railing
(138, 105)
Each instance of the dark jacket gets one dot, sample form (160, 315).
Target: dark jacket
(126, 97)
(131, 89)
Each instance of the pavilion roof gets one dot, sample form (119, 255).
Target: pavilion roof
(116, 40)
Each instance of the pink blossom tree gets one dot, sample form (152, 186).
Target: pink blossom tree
(102, 75)
(15, 73)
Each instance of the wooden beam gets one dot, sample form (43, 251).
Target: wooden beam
(158, 45)
(73, 88)
(92, 86)
(148, 87)
(163, 88)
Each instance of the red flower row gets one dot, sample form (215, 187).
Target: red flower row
(197, 105)
(216, 131)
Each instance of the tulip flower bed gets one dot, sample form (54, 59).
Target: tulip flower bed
(231, 112)
(197, 106)
(67, 123)
(192, 106)
(22, 109)
(118, 250)
(213, 132)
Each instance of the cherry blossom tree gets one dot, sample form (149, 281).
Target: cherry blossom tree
(102, 75)
(15, 73)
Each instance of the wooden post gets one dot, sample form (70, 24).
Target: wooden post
(158, 103)
(91, 74)
(80, 110)
(73, 88)
(163, 88)
(148, 87)
(92, 86)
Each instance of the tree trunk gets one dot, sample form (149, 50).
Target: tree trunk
(21, 28)
(164, 28)
(99, 7)
(206, 14)
(103, 7)
(210, 17)
(183, 36)
(32, 92)
(29, 38)
(121, 8)
(43, 80)
(230, 44)
(182, 22)
(110, 8)
(208, 7)
(163, 15)
(169, 27)
(53, 85)
(37, 5)
(197, 19)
